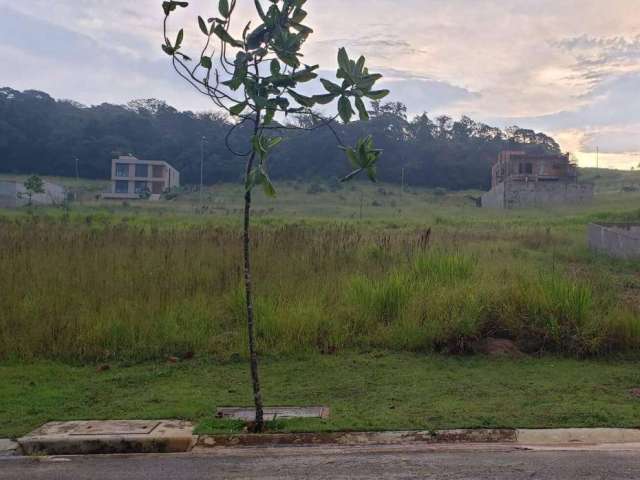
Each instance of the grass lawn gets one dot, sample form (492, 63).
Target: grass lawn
(373, 391)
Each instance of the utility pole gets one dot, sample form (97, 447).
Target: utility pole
(402, 191)
(204, 139)
(597, 157)
(77, 170)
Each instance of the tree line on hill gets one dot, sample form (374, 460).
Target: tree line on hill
(45, 136)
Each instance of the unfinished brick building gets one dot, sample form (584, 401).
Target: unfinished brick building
(522, 180)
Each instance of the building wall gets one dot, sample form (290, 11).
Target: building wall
(531, 194)
(617, 240)
(520, 194)
(54, 195)
(8, 195)
(494, 198)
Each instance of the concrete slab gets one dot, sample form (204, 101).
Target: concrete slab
(98, 437)
(578, 435)
(7, 447)
(248, 414)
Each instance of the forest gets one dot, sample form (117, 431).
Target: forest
(45, 136)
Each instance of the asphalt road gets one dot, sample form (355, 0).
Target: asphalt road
(405, 462)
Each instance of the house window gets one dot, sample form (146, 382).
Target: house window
(141, 187)
(122, 186)
(122, 169)
(158, 171)
(525, 168)
(142, 171)
(157, 188)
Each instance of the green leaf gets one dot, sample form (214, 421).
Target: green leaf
(343, 59)
(351, 176)
(344, 109)
(273, 142)
(258, 176)
(260, 11)
(362, 109)
(377, 94)
(240, 72)
(364, 158)
(301, 99)
(275, 67)
(179, 39)
(168, 49)
(220, 31)
(263, 145)
(203, 26)
(352, 156)
(238, 108)
(267, 186)
(360, 65)
(324, 99)
(306, 74)
(298, 16)
(257, 37)
(372, 173)
(206, 62)
(170, 6)
(223, 7)
(331, 87)
(269, 115)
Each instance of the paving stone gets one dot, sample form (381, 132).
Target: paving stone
(97, 437)
(248, 414)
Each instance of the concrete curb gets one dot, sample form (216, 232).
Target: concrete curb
(520, 437)
(177, 437)
(8, 447)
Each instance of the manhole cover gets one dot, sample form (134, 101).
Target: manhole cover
(272, 413)
(134, 427)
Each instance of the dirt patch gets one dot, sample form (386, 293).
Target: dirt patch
(497, 347)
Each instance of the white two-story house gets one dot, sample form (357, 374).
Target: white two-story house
(133, 178)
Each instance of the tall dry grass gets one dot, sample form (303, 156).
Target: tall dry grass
(97, 290)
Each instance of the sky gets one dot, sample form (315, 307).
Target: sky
(570, 68)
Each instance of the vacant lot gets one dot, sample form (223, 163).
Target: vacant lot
(376, 317)
(95, 285)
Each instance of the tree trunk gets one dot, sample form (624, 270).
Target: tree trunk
(253, 355)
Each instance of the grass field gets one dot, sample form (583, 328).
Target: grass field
(357, 306)
(372, 391)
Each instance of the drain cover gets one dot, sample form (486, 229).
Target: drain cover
(272, 413)
(134, 427)
(117, 436)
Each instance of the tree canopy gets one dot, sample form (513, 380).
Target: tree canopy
(41, 135)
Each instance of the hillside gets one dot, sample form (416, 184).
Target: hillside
(39, 134)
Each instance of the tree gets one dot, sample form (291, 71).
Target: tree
(33, 185)
(254, 78)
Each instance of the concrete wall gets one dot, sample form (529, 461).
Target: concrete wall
(8, 195)
(617, 240)
(494, 198)
(531, 194)
(9, 192)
